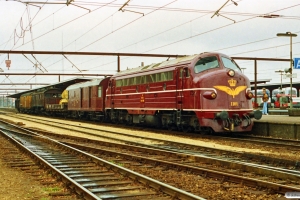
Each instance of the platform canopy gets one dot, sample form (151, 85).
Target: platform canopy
(62, 85)
(252, 82)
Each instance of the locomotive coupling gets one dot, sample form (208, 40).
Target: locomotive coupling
(223, 115)
(257, 114)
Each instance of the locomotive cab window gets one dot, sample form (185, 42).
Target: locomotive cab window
(99, 91)
(230, 64)
(184, 72)
(206, 63)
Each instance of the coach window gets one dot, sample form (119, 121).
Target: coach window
(158, 77)
(99, 91)
(206, 63)
(138, 80)
(125, 82)
(143, 79)
(150, 79)
(131, 81)
(229, 63)
(119, 83)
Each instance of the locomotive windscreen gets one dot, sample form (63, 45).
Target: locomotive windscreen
(228, 63)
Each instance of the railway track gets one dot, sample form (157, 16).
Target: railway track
(188, 163)
(88, 176)
(172, 146)
(282, 143)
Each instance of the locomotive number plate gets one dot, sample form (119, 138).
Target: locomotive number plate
(234, 103)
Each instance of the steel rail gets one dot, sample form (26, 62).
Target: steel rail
(81, 190)
(172, 191)
(257, 168)
(177, 144)
(273, 140)
(277, 142)
(250, 167)
(158, 140)
(252, 182)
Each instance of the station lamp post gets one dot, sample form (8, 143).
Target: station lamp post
(289, 34)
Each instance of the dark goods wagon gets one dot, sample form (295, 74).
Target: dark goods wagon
(25, 103)
(43, 97)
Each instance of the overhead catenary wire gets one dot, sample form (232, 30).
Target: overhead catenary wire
(218, 28)
(64, 24)
(178, 9)
(126, 25)
(205, 33)
(116, 29)
(76, 18)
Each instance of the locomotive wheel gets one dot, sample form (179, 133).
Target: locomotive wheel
(208, 131)
(187, 129)
(172, 128)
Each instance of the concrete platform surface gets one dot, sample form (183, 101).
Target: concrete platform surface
(279, 119)
(278, 126)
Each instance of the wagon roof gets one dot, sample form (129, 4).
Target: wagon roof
(93, 82)
(159, 65)
(62, 85)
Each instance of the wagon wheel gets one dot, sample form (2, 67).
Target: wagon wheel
(101, 119)
(187, 129)
(171, 128)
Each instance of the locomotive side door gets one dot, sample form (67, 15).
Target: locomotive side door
(180, 75)
(112, 89)
(179, 94)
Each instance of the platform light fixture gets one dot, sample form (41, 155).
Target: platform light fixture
(291, 35)
(281, 73)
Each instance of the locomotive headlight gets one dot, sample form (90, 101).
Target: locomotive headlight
(249, 95)
(210, 95)
(231, 73)
(213, 95)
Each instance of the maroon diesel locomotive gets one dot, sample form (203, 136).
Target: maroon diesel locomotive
(203, 92)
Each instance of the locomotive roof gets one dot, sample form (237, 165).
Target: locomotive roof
(93, 82)
(159, 65)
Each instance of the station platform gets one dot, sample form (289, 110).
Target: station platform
(279, 126)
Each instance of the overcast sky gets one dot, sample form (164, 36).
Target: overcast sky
(156, 26)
